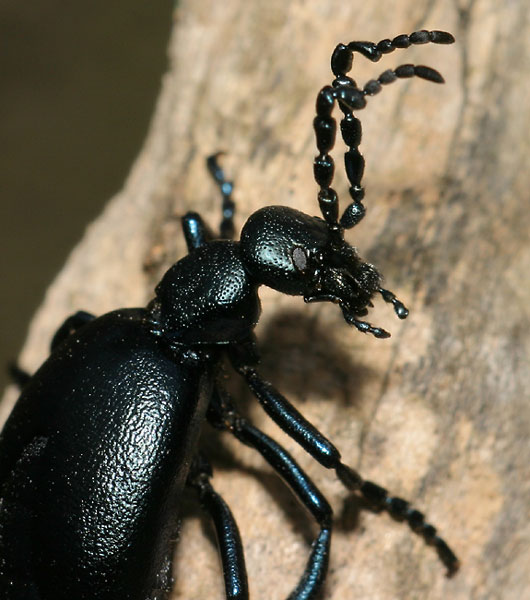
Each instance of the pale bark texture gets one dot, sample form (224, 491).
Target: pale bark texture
(439, 413)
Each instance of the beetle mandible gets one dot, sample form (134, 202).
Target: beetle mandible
(102, 442)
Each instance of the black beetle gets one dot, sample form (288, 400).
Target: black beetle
(97, 451)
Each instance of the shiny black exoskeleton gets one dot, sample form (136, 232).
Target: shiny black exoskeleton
(102, 442)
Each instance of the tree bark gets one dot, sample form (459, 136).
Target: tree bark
(437, 414)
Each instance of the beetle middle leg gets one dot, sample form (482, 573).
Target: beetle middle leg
(222, 415)
(228, 538)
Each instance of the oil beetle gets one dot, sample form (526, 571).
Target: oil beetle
(97, 452)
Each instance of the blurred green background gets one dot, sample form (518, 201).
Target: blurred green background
(78, 82)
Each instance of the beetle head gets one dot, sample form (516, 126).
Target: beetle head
(296, 254)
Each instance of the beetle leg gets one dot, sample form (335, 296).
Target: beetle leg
(222, 415)
(228, 538)
(226, 188)
(285, 415)
(17, 374)
(70, 325)
(400, 510)
(319, 447)
(196, 232)
(164, 580)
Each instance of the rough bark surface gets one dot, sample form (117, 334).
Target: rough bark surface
(437, 414)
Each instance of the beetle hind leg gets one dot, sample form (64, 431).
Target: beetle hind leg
(164, 579)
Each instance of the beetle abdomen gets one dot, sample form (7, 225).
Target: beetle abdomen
(115, 418)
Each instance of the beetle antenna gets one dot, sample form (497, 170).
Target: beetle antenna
(375, 51)
(345, 92)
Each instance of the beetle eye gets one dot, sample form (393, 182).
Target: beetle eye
(300, 260)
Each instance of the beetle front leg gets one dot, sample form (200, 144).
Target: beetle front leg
(319, 447)
(228, 538)
(222, 415)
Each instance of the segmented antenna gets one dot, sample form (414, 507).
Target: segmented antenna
(349, 97)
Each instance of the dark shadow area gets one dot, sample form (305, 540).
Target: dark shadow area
(298, 355)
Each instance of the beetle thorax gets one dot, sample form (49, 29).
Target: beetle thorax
(207, 297)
